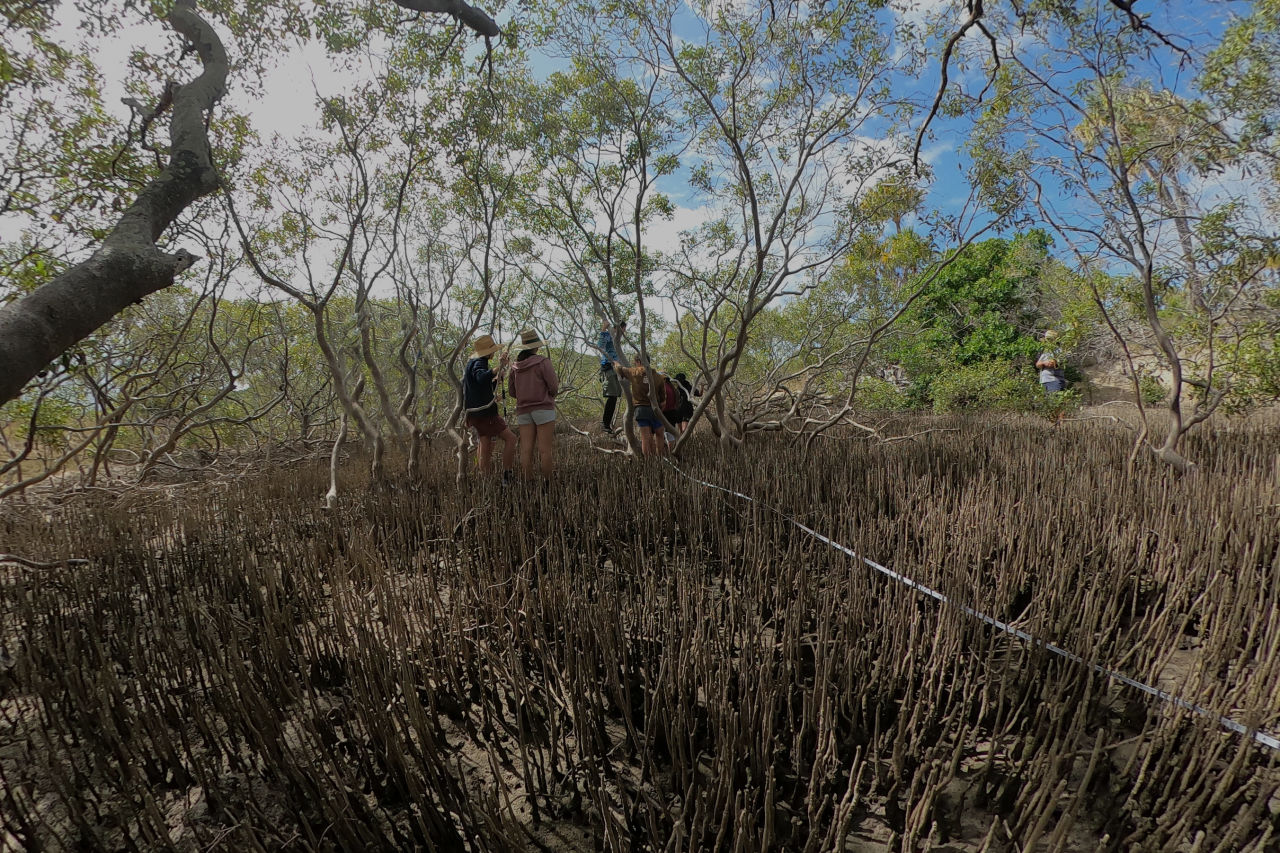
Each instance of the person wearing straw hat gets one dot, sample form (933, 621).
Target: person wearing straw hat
(478, 384)
(1052, 376)
(534, 386)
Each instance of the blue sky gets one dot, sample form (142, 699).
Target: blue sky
(1194, 25)
(286, 100)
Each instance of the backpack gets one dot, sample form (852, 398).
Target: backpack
(477, 397)
(670, 395)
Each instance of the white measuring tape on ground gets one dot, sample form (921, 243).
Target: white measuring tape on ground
(1267, 740)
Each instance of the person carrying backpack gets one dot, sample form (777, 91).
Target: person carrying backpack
(681, 413)
(478, 384)
(671, 400)
(610, 388)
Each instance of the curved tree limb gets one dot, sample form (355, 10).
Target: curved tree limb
(975, 10)
(128, 266)
(1139, 23)
(471, 17)
(975, 16)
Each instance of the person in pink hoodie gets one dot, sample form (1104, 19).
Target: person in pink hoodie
(534, 385)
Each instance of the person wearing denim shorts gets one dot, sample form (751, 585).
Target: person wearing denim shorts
(534, 386)
(653, 439)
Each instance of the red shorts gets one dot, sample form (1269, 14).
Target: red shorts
(487, 426)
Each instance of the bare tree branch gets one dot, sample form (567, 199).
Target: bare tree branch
(128, 266)
(475, 19)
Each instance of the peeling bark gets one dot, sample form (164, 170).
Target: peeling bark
(128, 266)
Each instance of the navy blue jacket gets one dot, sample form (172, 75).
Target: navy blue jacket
(477, 387)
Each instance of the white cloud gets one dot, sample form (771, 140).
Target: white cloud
(932, 153)
(664, 234)
(924, 11)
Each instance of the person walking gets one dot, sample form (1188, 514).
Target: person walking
(534, 386)
(610, 388)
(478, 384)
(653, 440)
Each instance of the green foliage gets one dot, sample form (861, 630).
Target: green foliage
(1240, 73)
(977, 311)
(998, 166)
(891, 200)
(54, 412)
(992, 385)
(1152, 389)
(1060, 403)
(881, 395)
(1258, 378)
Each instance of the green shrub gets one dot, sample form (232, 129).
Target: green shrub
(1152, 389)
(1257, 380)
(880, 395)
(994, 385)
(1060, 403)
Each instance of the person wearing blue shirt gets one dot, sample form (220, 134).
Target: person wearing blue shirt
(609, 385)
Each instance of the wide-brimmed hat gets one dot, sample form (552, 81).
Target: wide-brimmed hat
(529, 339)
(484, 345)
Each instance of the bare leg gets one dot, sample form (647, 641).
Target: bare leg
(646, 441)
(527, 433)
(547, 448)
(508, 449)
(484, 454)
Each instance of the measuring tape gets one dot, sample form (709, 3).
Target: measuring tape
(1267, 740)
